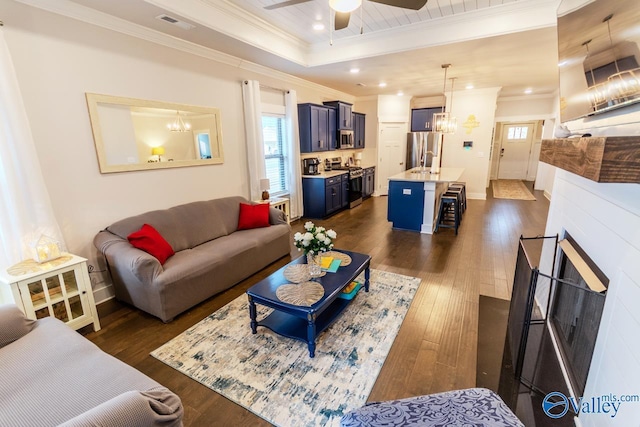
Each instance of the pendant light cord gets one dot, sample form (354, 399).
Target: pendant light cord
(615, 60)
(444, 87)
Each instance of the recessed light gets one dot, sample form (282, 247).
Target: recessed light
(354, 70)
(400, 93)
(383, 84)
(469, 86)
(318, 26)
(528, 91)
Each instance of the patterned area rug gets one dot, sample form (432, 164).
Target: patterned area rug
(274, 377)
(511, 189)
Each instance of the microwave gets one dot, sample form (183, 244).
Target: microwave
(345, 139)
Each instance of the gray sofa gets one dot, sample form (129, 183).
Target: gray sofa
(50, 375)
(211, 254)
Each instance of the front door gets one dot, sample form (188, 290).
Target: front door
(393, 137)
(515, 150)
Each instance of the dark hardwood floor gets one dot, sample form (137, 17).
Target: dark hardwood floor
(435, 349)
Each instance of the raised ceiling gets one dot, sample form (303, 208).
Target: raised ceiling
(490, 43)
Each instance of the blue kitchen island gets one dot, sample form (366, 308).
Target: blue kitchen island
(414, 196)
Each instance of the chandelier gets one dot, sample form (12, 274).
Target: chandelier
(178, 124)
(444, 122)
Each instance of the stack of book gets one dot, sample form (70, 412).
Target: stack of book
(329, 264)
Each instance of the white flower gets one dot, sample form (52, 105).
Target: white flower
(332, 234)
(320, 236)
(297, 237)
(308, 226)
(320, 229)
(308, 236)
(305, 243)
(327, 241)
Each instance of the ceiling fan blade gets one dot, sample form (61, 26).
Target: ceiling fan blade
(342, 20)
(285, 4)
(405, 4)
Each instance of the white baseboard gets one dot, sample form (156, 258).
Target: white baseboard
(477, 196)
(547, 195)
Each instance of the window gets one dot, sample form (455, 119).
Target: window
(275, 152)
(518, 132)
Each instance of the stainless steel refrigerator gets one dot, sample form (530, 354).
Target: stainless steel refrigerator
(421, 147)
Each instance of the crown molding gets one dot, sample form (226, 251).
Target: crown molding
(90, 16)
(527, 97)
(237, 23)
(495, 21)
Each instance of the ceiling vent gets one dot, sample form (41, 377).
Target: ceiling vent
(173, 21)
(361, 84)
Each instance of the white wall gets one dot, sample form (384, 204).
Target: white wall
(480, 103)
(604, 219)
(524, 108)
(58, 59)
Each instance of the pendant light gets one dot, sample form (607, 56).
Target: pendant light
(444, 122)
(623, 84)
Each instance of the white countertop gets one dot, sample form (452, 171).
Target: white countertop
(445, 175)
(327, 174)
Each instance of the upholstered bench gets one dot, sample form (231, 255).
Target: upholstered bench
(470, 407)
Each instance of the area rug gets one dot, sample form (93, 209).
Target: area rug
(274, 377)
(511, 189)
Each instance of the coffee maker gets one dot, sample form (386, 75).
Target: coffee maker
(311, 166)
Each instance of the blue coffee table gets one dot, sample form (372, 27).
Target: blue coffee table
(306, 323)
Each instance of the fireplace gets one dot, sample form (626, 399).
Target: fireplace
(552, 346)
(576, 308)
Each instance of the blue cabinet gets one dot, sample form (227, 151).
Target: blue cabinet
(324, 196)
(369, 179)
(344, 114)
(422, 119)
(405, 205)
(314, 127)
(358, 120)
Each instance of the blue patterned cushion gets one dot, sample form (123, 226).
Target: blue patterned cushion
(478, 407)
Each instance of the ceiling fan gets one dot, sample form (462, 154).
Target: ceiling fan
(343, 8)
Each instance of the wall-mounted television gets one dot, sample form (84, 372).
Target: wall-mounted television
(599, 57)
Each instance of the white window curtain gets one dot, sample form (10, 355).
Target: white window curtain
(253, 130)
(25, 207)
(293, 139)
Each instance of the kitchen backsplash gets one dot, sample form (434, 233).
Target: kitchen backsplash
(344, 154)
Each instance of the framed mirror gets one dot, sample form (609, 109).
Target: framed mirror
(135, 134)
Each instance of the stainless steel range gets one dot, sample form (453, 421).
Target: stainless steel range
(355, 180)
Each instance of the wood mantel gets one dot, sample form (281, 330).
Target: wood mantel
(599, 158)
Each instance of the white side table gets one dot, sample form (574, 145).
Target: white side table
(280, 203)
(59, 288)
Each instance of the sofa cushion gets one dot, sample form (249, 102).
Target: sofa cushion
(253, 216)
(186, 226)
(149, 240)
(13, 323)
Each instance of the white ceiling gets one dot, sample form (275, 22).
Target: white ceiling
(490, 43)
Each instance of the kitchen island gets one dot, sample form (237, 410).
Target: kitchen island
(414, 196)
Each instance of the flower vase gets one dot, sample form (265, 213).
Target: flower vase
(313, 263)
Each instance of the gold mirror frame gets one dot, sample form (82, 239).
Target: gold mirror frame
(127, 130)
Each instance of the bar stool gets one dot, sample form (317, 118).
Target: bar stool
(449, 212)
(458, 192)
(463, 186)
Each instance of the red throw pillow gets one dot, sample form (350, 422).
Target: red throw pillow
(149, 240)
(253, 216)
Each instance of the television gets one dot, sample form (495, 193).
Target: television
(599, 56)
